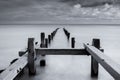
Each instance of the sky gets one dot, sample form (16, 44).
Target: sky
(58, 11)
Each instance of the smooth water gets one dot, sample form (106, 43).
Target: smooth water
(13, 38)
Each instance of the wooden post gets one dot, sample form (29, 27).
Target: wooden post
(42, 39)
(46, 43)
(51, 36)
(94, 63)
(68, 35)
(73, 42)
(42, 63)
(49, 39)
(31, 55)
(54, 32)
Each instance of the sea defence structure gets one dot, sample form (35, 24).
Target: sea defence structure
(28, 57)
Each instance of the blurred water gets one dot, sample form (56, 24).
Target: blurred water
(13, 38)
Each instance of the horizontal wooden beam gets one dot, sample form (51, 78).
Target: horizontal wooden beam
(111, 67)
(14, 69)
(62, 51)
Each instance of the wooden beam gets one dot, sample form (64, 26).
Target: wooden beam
(14, 69)
(62, 51)
(110, 66)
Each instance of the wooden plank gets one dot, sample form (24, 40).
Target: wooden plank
(111, 67)
(62, 51)
(13, 70)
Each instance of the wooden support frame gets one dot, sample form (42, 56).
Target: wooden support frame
(110, 66)
(61, 51)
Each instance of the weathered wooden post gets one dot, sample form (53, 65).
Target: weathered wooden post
(42, 62)
(73, 42)
(42, 39)
(94, 63)
(49, 39)
(51, 36)
(46, 43)
(31, 56)
(54, 32)
(68, 35)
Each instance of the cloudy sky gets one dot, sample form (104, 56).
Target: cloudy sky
(51, 11)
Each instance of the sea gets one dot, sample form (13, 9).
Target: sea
(13, 38)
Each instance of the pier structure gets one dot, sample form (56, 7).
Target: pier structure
(28, 57)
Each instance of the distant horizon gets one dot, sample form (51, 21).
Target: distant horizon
(65, 22)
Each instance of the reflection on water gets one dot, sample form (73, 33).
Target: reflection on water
(13, 38)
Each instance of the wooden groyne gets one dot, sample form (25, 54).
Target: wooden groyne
(28, 57)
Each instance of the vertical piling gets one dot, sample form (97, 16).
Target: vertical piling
(66, 33)
(42, 39)
(49, 39)
(94, 63)
(42, 62)
(31, 55)
(68, 36)
(46, 43)
(73, 42)
(51, 36)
